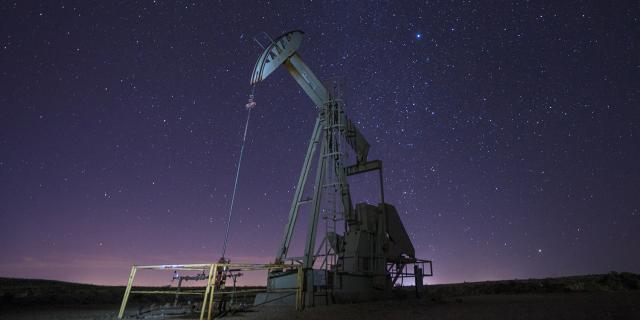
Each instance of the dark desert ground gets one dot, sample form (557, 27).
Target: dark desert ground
(609, 296)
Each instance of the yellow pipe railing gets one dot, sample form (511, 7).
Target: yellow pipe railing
(209, 293)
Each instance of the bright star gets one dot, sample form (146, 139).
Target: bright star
(418, 35)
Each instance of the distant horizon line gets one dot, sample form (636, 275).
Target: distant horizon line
(433, 284)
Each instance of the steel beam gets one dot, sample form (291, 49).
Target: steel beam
(297, 198)
(313, 221)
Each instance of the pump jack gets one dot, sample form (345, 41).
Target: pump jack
(374, 251)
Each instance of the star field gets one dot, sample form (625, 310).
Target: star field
(508, 131)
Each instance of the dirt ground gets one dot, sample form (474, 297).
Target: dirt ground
(60, 313)
(601, 305)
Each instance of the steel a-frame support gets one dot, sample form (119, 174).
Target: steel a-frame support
(317, 137)
(327, 130)
(312, 229)
(297, 198)
(330, 174)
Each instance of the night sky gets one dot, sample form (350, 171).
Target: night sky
(509, 132)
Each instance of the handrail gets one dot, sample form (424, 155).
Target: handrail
(213, 283)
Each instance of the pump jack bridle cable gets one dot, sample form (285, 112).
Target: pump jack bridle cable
(250, 105)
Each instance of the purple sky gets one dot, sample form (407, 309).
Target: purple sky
(509, 132)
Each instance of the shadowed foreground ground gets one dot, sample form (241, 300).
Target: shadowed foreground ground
(601, 305)
(610, 296)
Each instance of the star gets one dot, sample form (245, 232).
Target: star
(498, 159)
